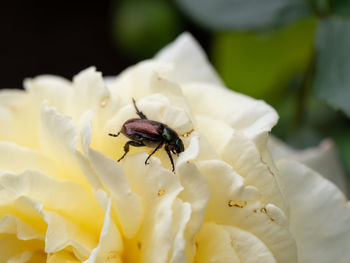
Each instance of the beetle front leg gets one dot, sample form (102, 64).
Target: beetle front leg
(170, 157)
(127, 145)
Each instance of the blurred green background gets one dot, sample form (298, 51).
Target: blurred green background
(295, 54)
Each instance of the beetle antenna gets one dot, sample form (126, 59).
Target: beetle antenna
(114, 135)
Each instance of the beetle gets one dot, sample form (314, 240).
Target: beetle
(145, 132)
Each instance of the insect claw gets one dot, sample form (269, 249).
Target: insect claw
(114, 135)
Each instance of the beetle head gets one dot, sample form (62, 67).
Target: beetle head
(175, 144)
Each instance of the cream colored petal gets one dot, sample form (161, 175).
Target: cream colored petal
(13, 98)
(18, 251)
(158, 188)
(110, 245)
(234, 204)
(58, 140)
(68, 198)
(190, 63)
(12, 225)
(252, 117)
(16, 158)
(58, 137)
(181, 216)
(89, 92)
(17, 113)
(63, 256)
(11, 102)
(217, 132)
(62, 233)
(245, 158)
(248, 247)
(323, 159)
(178, 116)
(127, 203)
(110, 174)
(23, 208)
(20, 258)
(56, 90)
(214, 244)
(319, 214)
(218, 243)
(195, 192)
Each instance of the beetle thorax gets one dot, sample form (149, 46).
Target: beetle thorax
(169, 135)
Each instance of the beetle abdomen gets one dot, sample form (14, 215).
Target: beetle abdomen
(139, 129)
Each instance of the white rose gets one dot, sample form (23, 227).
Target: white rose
(64, 198)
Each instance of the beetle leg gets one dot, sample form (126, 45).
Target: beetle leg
(141, 115)
(156, 149)
(127, 145)
(114, 135)
(170, 157)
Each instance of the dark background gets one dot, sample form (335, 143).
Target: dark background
(53, 37)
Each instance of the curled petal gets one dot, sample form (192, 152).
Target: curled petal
(252, 117)
(110, 244)
(323, 159)
(189, 62)
(319, 214)
(158, 188)
(218, 243)
(234, 204)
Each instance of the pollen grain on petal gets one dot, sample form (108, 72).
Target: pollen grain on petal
(239, 204)
(161, 192)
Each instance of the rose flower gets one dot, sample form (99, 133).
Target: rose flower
(65, 198)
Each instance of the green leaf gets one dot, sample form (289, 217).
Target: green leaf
(141, 28)
(244, 15)
(340, 7)
(332, 73)
(343, 143)
(262, 64)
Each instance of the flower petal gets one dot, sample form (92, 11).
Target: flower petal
(181, 216)
(16, 158)
(17, 113)
(13, 250)
(110, 244)
(217, 243)
(158, 188)
(62, 233)
(252, 117)
(190, 64)
(319, 214)
(12, 225)
(244, 156)
(58, 140)
(65, 197)
(234, 204)
(56, 90)
(323, 159)
(90, 92)
(63, 256)
(110, 175)
(214, 245)
(195, 192)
